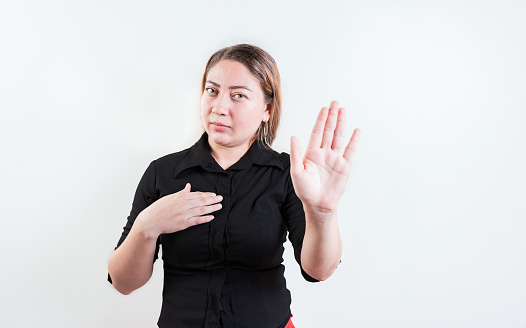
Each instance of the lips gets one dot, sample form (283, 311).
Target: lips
(218, 126)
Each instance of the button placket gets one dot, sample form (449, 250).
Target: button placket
(217, 248)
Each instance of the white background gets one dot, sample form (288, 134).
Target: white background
(433, 219)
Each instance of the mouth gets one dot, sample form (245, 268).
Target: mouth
(218, 126)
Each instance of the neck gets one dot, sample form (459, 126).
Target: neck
(227, 156)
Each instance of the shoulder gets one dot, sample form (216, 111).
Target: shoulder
(169, 162)
(283, 158)
(171, 158)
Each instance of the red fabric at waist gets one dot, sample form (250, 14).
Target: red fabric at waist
(290, 324)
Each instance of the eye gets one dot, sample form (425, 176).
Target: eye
(239, 96)
(211, 90)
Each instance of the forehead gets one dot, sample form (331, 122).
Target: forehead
(229, 72)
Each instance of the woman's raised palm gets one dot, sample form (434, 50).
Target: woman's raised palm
(319, 178)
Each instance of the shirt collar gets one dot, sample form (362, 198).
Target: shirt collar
(199, 155)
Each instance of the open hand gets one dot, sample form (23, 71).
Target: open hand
(319, 178)
(180, 211)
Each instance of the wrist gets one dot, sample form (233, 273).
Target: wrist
(320, 212)
(144, 229)
(320, 217)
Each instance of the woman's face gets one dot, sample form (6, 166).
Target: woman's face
(232, 106)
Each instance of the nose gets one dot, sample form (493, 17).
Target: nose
(220, 105)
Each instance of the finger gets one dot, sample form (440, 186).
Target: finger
(201, 201)
(187, 188)
(190, 195)
(202, 210)
(199, 220)
(339, 134)
(330, 125)
(196, 194)
(317, 131)
(296, 161)
(186, 193)
(351, 147)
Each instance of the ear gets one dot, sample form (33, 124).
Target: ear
(266, 113)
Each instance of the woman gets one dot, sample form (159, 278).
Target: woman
(222, 208)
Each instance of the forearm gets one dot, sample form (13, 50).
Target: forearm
(322, 247)
(131, 264)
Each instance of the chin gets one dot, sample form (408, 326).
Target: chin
(218, 138)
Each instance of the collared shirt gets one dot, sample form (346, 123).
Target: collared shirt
(227, 272)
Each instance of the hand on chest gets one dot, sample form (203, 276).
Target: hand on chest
(248, 232)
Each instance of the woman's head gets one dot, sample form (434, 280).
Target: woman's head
(264, 69)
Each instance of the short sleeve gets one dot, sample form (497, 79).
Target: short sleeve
(145, 195)
(295, 220)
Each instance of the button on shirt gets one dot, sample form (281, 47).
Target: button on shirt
(228, 272)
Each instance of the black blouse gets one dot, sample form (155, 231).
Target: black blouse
(228, 272)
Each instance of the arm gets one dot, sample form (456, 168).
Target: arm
(131, 264)
(322, 246)
(319, 180)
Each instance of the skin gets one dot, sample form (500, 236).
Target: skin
(319, 179)
(233, 106)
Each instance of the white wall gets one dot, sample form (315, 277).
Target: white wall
(433, 219)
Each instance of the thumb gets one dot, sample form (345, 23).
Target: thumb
(187, 188)
(296, 162)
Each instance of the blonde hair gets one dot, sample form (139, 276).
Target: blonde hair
(265, 70)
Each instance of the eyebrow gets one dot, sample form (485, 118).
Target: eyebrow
(231, 87)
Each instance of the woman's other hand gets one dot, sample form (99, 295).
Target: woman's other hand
(319, 178)
(178, 211)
